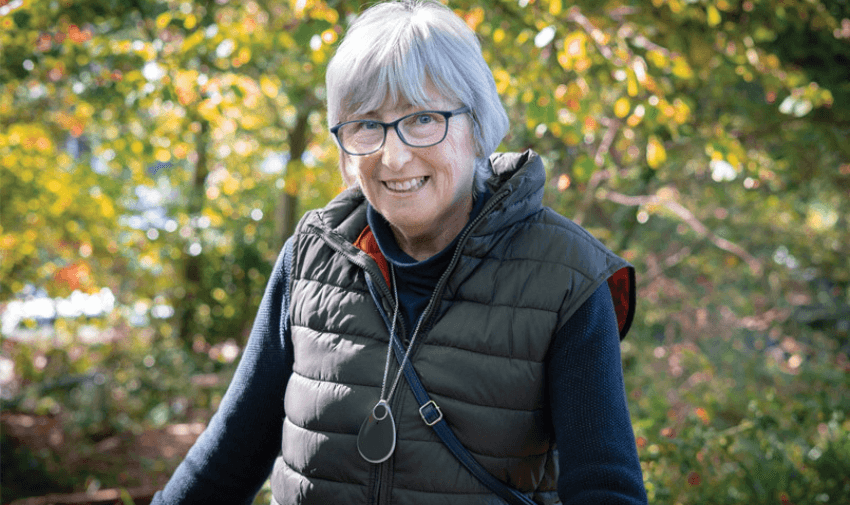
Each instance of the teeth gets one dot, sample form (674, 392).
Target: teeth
(407, 185)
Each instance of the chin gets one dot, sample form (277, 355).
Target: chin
(410, 224)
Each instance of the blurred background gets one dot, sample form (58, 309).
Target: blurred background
(154, 155)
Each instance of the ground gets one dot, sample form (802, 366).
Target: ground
(47, 461)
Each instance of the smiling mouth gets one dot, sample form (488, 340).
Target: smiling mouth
(406, 186)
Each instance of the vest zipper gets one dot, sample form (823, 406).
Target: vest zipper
(371, 268)
(441, 283)
(395, 402)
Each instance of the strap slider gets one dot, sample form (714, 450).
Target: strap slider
(434, 413)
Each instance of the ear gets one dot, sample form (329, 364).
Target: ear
(476, 134)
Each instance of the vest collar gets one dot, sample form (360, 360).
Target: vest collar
(517, 184)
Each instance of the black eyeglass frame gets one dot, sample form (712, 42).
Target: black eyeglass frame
(446, 114)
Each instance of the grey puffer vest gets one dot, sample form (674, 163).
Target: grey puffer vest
(519, 274)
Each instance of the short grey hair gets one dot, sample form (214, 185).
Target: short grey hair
(393, 49)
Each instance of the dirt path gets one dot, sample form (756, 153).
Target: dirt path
(140, 463)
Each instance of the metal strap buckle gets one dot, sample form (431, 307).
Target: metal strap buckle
(439, 413)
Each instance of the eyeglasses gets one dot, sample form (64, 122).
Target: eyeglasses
(420, 129)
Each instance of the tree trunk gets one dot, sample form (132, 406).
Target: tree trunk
(286, 212)
(194, 264)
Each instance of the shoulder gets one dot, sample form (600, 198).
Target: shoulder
(550, 237)
(584, 262)
(345, 213)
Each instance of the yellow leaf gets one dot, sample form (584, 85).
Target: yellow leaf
(162, 20)
(622, 107)
(733, 160)
(326, 13)
(658, 58)
(244, 55)
(503, 80)
(681, 69)
(683, 112)
(8, 241)
(106, 208)
(268, 86)
(319, 57)
(192, 40)
(655, 152)
(631, 83)
(230, 186)
(713, 16)
(250, 121)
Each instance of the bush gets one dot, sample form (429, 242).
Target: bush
(720, 421)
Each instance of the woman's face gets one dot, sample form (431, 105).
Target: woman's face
(425, 193)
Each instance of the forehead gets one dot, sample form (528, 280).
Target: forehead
(395, 98)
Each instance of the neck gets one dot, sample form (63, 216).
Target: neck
(421, 245)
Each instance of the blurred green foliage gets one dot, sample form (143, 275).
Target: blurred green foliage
(165, 149)
(721, 420)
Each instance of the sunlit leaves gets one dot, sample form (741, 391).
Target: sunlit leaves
(656, 155)
(635, 98)
(573, 55)
(136, 91)
(622, 107)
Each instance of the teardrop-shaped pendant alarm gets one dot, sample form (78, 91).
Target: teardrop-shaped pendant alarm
(376, 440)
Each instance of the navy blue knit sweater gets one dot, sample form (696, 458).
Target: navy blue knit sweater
(598, 461)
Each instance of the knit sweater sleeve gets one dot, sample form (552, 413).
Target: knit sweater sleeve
(233, 457)
(598, 461)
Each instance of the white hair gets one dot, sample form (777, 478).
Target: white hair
(394, 49)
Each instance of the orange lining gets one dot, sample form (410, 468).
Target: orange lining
(367, 243)
(621, 288)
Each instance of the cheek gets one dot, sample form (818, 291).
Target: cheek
(353, 170)
(349, 176)
(460, 163)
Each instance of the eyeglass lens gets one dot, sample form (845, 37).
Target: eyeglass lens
(418, 130)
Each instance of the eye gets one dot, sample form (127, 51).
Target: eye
(370, 125)
(423, 119)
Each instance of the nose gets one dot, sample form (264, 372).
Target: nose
(395, 152)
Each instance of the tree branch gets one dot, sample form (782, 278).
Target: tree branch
(691, 220)
(592, 31)
(600, 175)
(655, 268)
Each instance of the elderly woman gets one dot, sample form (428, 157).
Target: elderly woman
(434, 334)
